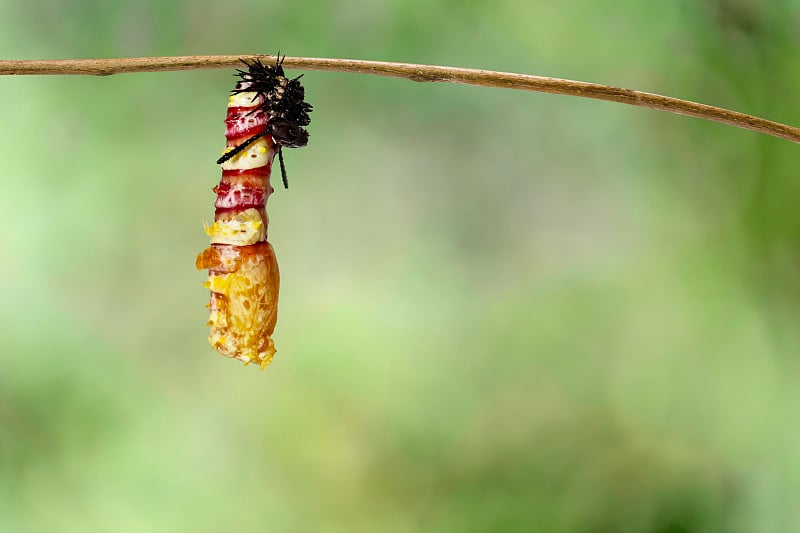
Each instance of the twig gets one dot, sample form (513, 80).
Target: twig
(421, 73)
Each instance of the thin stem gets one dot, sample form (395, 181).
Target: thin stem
(421, 73)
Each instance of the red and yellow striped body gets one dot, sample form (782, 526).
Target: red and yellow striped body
(242, 270)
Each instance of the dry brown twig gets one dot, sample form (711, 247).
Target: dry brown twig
(421, 73)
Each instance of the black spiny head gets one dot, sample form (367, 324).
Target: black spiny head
(284, 99)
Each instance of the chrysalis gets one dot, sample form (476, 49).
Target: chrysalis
(266, 112)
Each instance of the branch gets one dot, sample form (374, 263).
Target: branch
(421, 73)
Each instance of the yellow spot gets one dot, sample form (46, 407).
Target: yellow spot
(262, 149)
(243, 229)
(218, 284)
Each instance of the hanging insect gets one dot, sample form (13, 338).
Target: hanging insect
(266, 112)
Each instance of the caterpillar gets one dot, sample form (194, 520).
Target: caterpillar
(266, 112)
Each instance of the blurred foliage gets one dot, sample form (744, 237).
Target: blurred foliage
(500, 311)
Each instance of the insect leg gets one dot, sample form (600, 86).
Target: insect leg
(283, 169)
(245, 144)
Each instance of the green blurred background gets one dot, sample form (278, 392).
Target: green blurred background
(500, 311)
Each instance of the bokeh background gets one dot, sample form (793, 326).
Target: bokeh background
(500, 311)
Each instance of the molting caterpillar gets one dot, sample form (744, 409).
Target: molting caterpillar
(266, 112)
